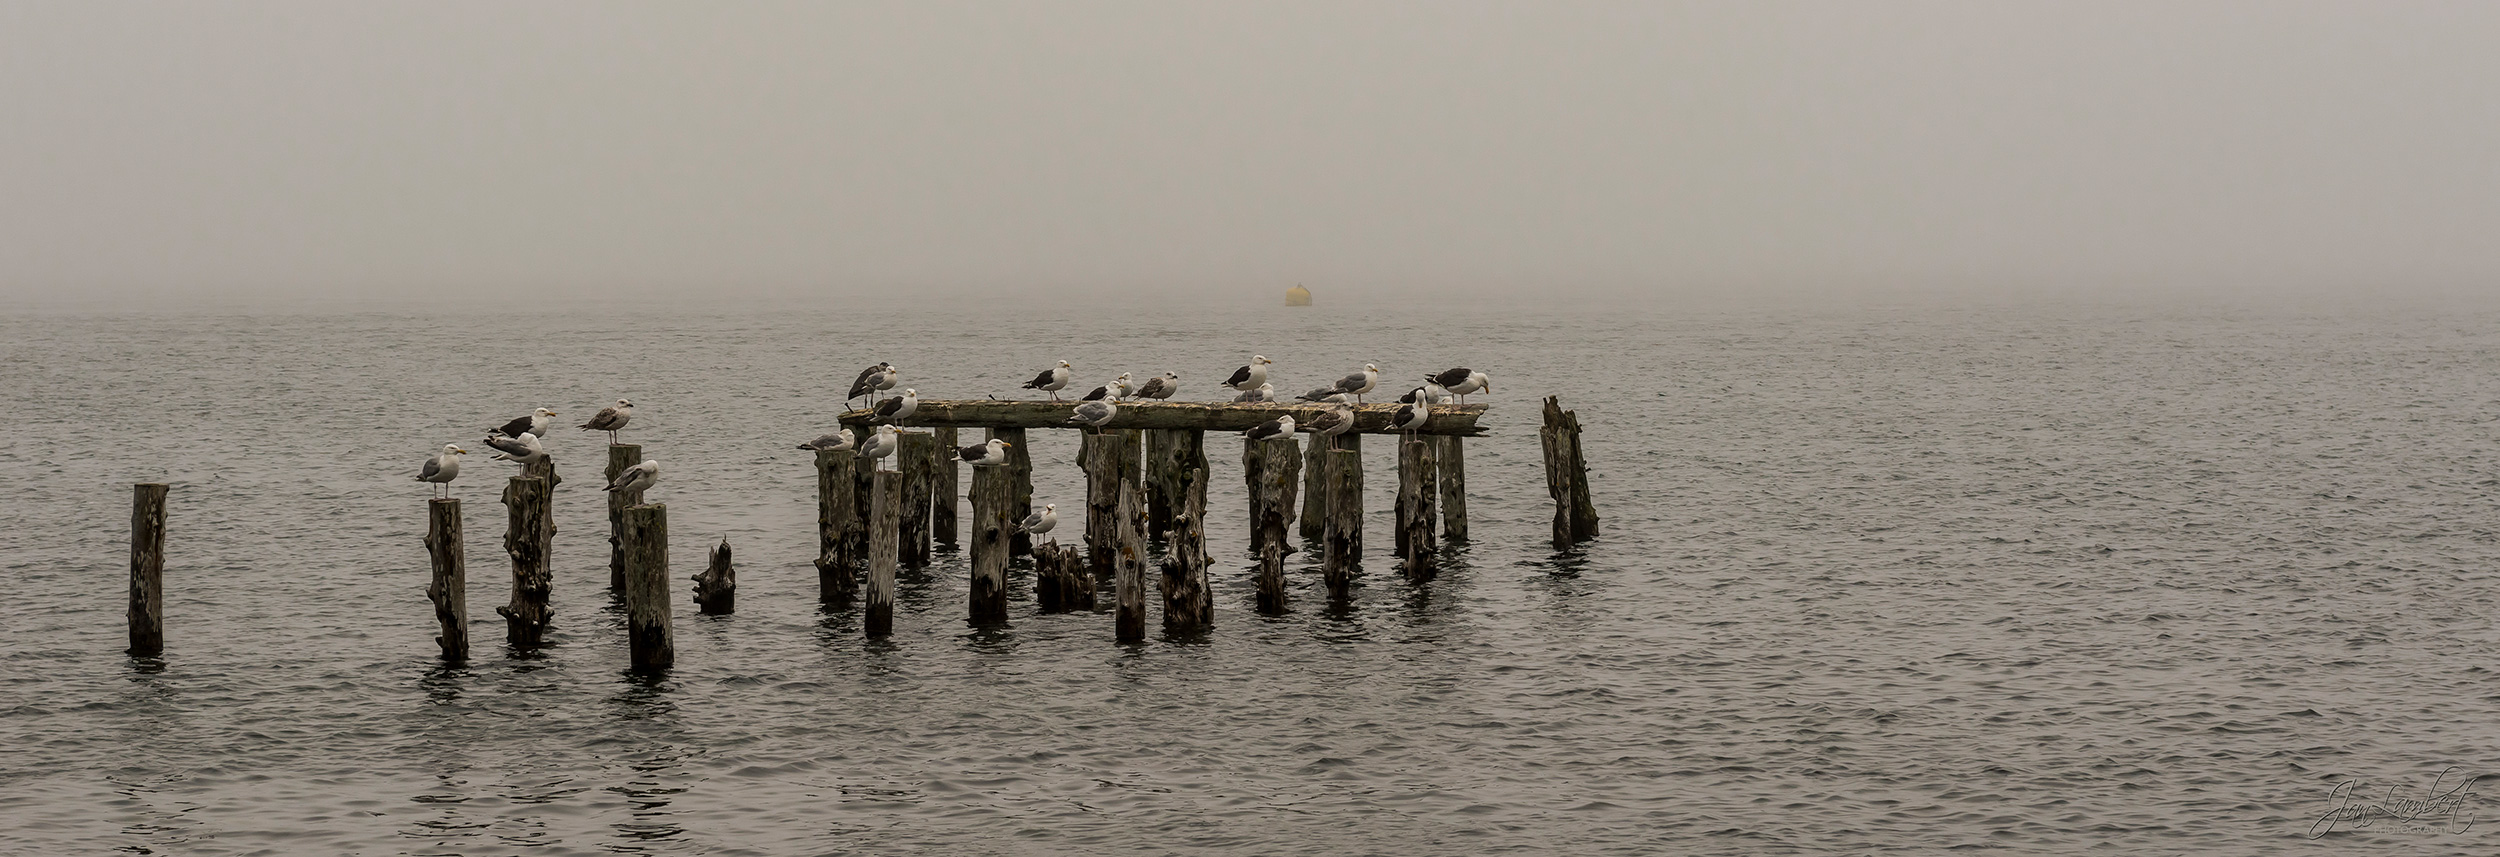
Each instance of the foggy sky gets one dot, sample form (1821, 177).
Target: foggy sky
(579, 148)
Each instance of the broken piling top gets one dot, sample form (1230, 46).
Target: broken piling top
(1297, 296)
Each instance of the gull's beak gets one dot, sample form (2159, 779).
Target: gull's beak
(1005, 443)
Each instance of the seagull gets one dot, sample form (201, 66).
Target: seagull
(1159, 387)
(1462, 381)
(1264, 392)
(872, 379)
(523, 450)
(1331, 423)
(839, 441)
(611, 419)
(879, 445)
(1278, 427)
(1430, 393)
(1323, 394)
(444, 466)
(1052, 380)
(1121, 388)
(991, 454)
(633, 480)
(1410, 417)
(1095, 414)
(1250, 377)
(535, 423)
(1041, 520)
(1097, 394)
(1360, 382)
(899, 408)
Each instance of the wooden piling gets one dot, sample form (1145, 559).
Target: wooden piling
(449, 589)
(1343, 535)
(1020, 491)
(1416, 516)
(919, 452)
(1134, 415)
(1171, 456)
(942, 494)
(147, 569)
(835, 519)
(1314, 490)
(716, 589)
(1062, 579)
(1187, 602)
(1566, 476)
(993, 494)
(885, 549)
(1273, 467)
(620, 457)
(1130, 622)
(647, 630)
(526, 539)
(1101, 455)
(1451, 456)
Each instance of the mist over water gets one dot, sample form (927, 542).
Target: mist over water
(2043, 576)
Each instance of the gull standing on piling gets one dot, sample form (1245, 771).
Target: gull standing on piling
(1040, 521)
(1052, 380)
(1473, 382)
(1359, 383)
(637, 477)
(872, 379)
(839, 441)
(1264, 392)
(535, 423)
(611, 419)
(1331, 423)
(880, 445)
(1411, 416)
(523, 449)
(1160, 386)
(1278, 427)
(1251, 376)
(991, 454)
(443, 467)
(899, 408)
(1095, 414)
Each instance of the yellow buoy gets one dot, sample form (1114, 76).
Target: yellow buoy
(1297, 296)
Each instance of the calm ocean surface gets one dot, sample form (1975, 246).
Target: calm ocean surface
(2140, 579)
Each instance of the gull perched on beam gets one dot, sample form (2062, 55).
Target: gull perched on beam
(1360, 382)
(1262, 393)
(1331, 423)
(899, 408)
(1159, 387)
(1322, 395)
(611, 419)
(535, 423)
(1250, 376)
(1411, 416)
(1278, 427)
(1095, 414)
(1462, 381)
(443, 467)
(1052, 380)
(990, 454)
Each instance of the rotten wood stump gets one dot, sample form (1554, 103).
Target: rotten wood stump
(835, 527)
(1130, 622)
(647, 626)
(1451, 455)
(1101, 456)
(147, 569)
(942, 494)
(993, 494)
(1416, 515)
(920, 454)
(1172, 455)
(527, 540)
(1272, 468)
(1062, 580)
(1188, 604)
(620, 457)
(885, 527)
(449, 589)
(1566, 476)
(716, 589)
(1020, 491)
(1343, 537)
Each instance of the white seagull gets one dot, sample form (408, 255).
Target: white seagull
(1041, 520)
(1159, 387)
(633, 480)
(443, 467)
(1251, 376)
(1278, 427)
(1261, 393)
(1052, 380)
(880, 445)
(879, 377)
(991, 454)
(1121, 388)
(1322, 395)
(611, 419)
(839, 441)
(1360, 382)
(523, 450)
(899, 408)
(1331, 423)
(535, 423)
(1095, 414)
(1462, 381)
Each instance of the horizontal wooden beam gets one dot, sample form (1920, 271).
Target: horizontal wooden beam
(1203, 416)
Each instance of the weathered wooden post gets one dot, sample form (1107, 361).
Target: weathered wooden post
(620, 457)
(1130, 622)
(647, 630)
(1274, 469)
(1187, 602)
(1171, 456)
(942, 495)
(1062, 579)
(1583, 510)
(885, 527)
(1452, 458)
(450, 587)
(1416, 496)
(1315, 490)
(1101, 456)
(1566, 476)
(526, 539)
(1020, 492)
(834, 521)
(147, 569)
(716, 589)
(993, 494)
(919, 453)
(1344, 527)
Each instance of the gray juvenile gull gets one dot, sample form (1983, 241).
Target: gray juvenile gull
(879, 445)
(899, 408)
(443, 467)
(1052, 380)
(637, 477)
(839, 441)
(1278, 427)
(1094, 414)
(1159, 387)
(535, 423)
(1251, 376)
(611, 419)
(1041, 520)
(522, 450)
(1260, 393)
(872, 379)
(1323, 394)
(990, 454)
(1360, 382)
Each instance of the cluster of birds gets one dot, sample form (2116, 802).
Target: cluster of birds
(518, 442)
(1098, 408)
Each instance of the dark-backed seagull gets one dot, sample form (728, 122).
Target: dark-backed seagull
(872, 379)
(1410, 417)
(521, 450)
(991, 454)
(1462, 381)
(1278, 427)
(535, 423)
(1250, 376)
(899, 408)
(1052, 380)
